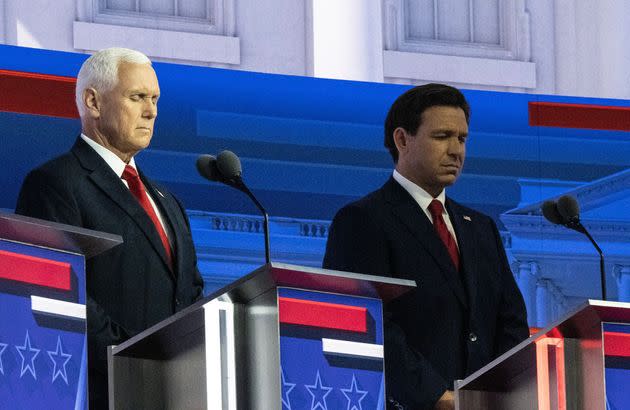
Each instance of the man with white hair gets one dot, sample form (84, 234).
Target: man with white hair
(96, 185)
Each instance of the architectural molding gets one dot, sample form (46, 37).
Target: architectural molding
(457, 69)
(589, 195)
(231, 245)
(158, 43)
(538, 226)
(254, 224)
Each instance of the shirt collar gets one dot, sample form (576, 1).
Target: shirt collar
(114, 162)
(422, 197)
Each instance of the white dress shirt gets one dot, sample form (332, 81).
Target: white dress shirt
(424, 199)
(118, 166)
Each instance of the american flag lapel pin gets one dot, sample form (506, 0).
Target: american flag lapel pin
(466, 217)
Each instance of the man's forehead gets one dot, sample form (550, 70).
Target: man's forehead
(141, 76)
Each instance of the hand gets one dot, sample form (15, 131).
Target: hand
(446, 402)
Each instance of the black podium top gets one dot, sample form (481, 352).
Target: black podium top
(53, 235)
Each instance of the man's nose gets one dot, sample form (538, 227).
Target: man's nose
(150, 109)
(456, 146)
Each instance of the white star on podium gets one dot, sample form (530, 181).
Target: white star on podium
(61, 356)
(28, 350)
(286, 389)
(318, 394)
(3, 346)
(354, 395)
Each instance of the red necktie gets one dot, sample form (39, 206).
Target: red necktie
(436, 209)
(139, 192)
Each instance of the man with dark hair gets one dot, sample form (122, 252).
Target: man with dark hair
(467, 309)
(96, 185)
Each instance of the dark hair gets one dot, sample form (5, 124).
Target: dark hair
(406, 112)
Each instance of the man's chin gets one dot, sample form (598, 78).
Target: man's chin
(449, 179)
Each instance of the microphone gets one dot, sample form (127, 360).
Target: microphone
(229, 167)
(207, 167)
(550, 212)
(566, 212)
(569, 209)
(226, 168)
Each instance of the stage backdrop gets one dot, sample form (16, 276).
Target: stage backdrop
(308, 146)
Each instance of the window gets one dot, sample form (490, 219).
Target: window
(199, 16)
(496, 29)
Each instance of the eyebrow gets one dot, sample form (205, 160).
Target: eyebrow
(446, 130)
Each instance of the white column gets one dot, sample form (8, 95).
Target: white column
(601, 48)
(2, 23)
(614, 51)
(565, 41)
(526, 276)
(347, 40)
(559, 304)
(542, 33)
(543, 302)
(622, 276)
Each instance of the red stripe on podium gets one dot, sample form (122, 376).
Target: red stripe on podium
(321, 314)
(41, 94)
(596, 117)
(35, 271)
(617, 344)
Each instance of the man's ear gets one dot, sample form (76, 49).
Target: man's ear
(91, 102)
(401, 139)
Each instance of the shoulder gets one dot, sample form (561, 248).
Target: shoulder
(369, 204)
(59, 171)
(360, 219)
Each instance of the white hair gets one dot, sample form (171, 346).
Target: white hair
(100, 71)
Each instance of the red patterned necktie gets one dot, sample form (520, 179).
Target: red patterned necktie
(436, 209)
(139, 192)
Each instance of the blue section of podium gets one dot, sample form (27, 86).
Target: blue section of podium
(617, 373)
(42, 349)
(315, 373)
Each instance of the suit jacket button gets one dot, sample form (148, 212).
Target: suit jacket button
(472, 337)
(178, 302)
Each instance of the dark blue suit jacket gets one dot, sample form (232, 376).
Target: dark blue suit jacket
(129, 287)
(454, 322)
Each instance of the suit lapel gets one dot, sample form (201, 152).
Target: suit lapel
(111, 185)
(169, 215)
(464, 229)
(409, 214)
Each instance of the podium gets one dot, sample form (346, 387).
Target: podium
(282, 336)
(572, 364)
(43, 359)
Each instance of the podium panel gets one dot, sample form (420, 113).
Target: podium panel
(281, 337)
(580, 362)
(43, 356)
(331, 350)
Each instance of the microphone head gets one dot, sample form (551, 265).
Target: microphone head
(229, 165)
(569, 208)
(207, 167)
(550, 212)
